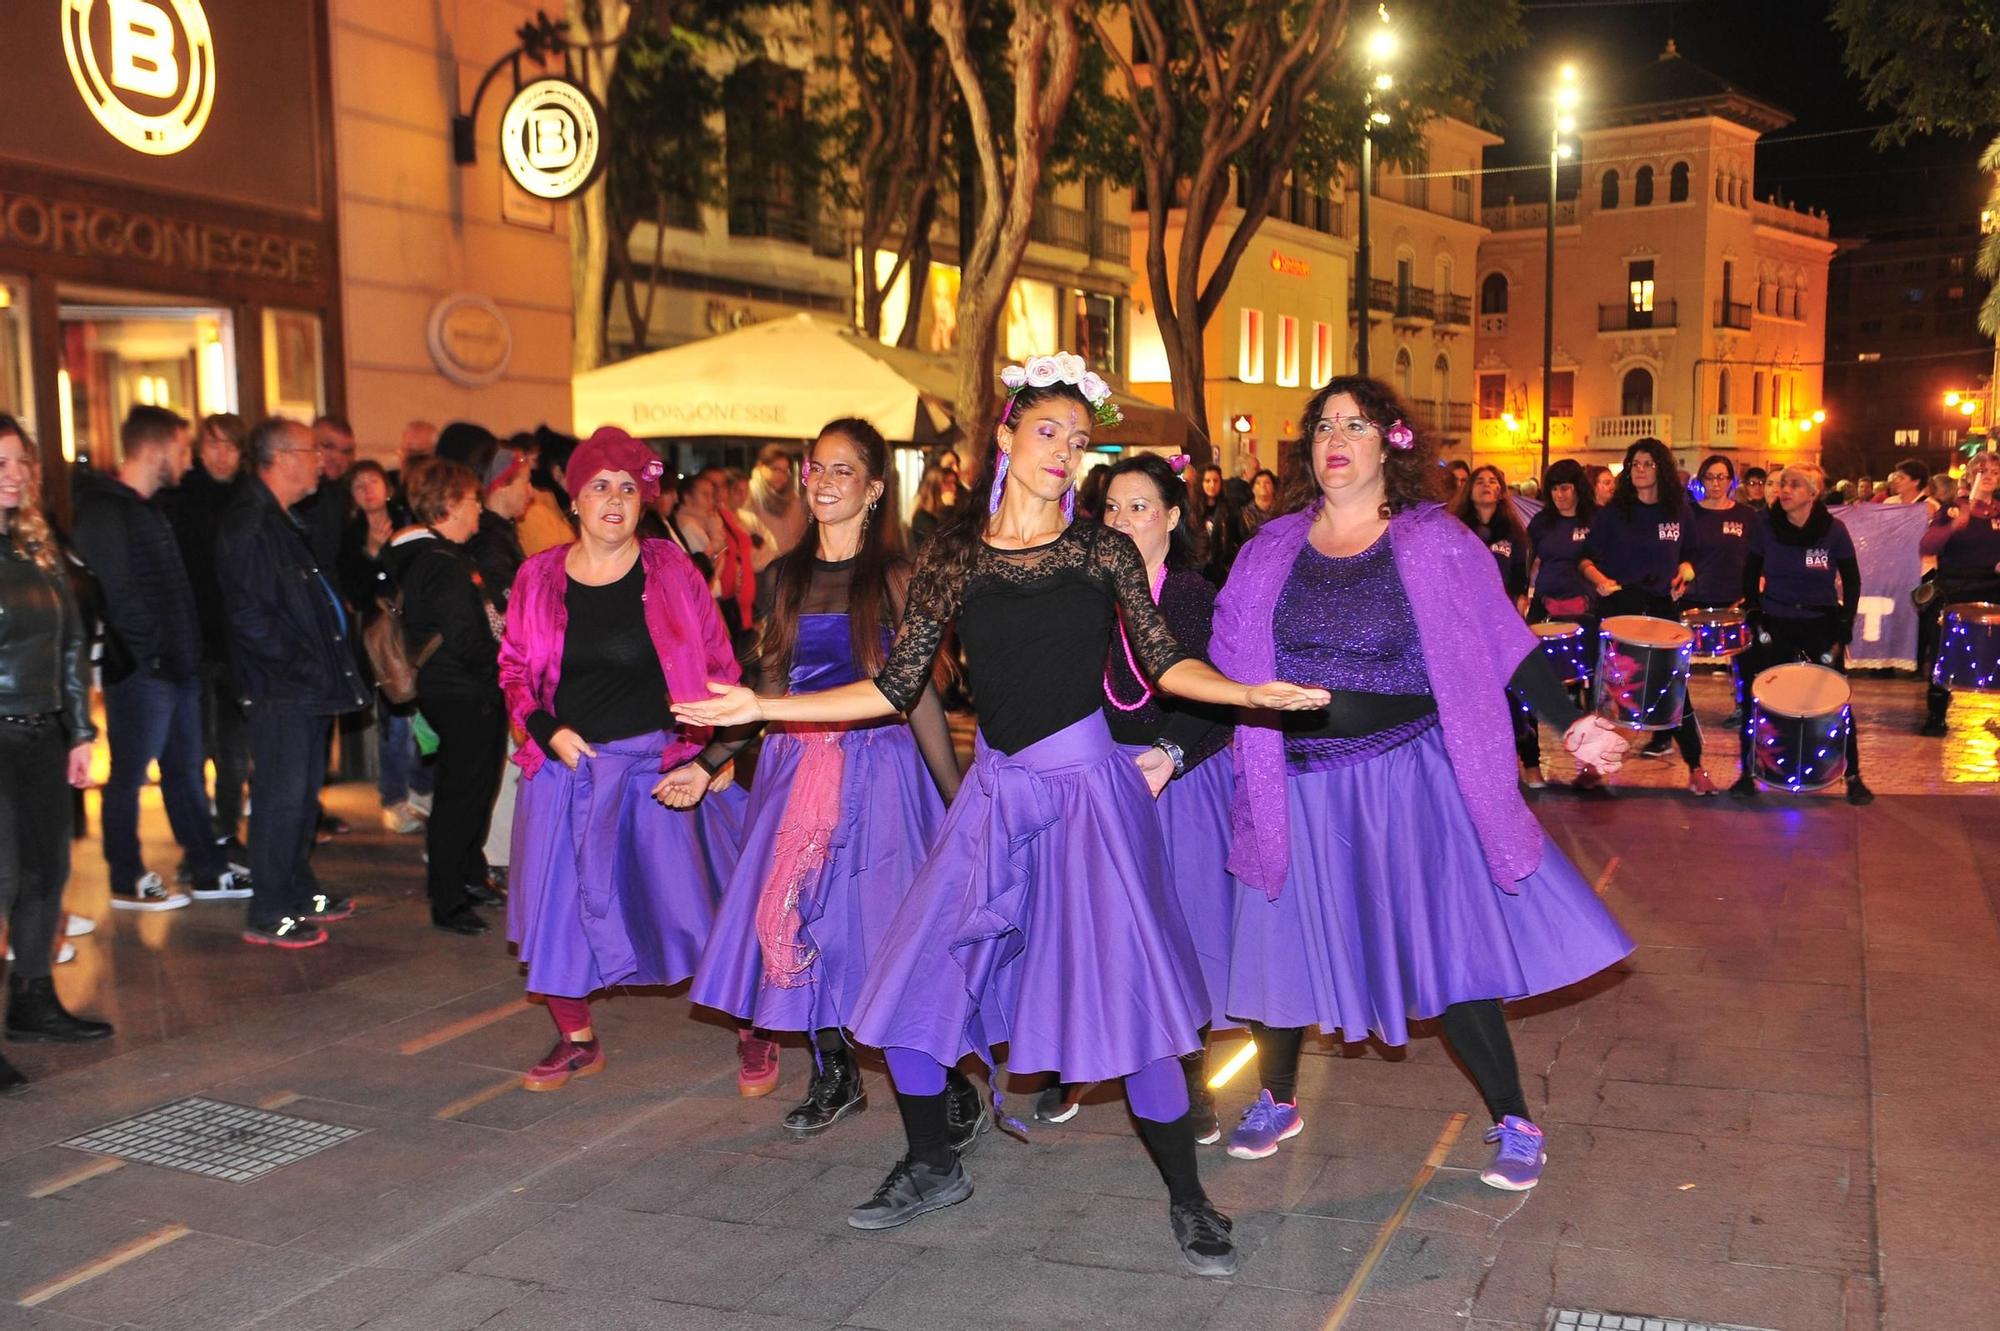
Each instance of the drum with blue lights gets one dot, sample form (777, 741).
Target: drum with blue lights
(1563, 644)
(1642, 671)
(1799, 719)
(1969, 648)
(1718, 633)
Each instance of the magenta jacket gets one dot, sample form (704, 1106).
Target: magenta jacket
(1473, 641)
(680, 614)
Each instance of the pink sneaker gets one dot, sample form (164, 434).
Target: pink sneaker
(569, 1058)
(756, 1064)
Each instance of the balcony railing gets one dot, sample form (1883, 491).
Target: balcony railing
(1456, 310)
(1732, 314)
(1520, 216)
(1627, 319)
(1381, 295)
(1065, 228)
(1733, 431)
(1416, 303)
(1444, 417)
(1111, 241)
(760, 219)
(1624, 429)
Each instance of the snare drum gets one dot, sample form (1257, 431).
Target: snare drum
(1718, 634)
(1799, 720)
(1642, 671)
(1969, 648)
(1562, 643)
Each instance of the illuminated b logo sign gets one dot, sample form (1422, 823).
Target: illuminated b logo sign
(549, 138)
(146, 69)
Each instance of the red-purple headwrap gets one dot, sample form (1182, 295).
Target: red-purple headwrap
(611, 449)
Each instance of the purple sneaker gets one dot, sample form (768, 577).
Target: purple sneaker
(1517, 1163)
(1263, 1125)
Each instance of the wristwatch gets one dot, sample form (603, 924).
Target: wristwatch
(1173, 751)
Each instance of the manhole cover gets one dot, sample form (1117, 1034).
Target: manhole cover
(1585, 1319)
(225, 1141)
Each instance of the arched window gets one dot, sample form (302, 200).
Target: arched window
(1677, 183)
(1444, 276)
(1608, 198)
(1722, 393)
(1441, 384)
(1493, 294)
(1642, 187)
(1636, 392)
(1721, 188)
(1404, 373)
(1757, 393)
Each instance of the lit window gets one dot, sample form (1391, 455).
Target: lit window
(1250, 347)
(1322, 354)
(1288, 352)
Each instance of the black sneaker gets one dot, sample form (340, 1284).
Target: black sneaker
(834, 1093)
(36, 1016)
(1659, 746)
(1858, 791)
(1204, 1236)
(965, 1111)
(327, 909)
(1932, 728)
(225, 886)
(1058, 1103)
(465, 922)
(912, 1189)
(1743, 787)
(149, 894)
(1201, 1115)
(288, 931)
(480, 894)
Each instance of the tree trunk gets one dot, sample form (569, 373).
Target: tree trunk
(589, 220)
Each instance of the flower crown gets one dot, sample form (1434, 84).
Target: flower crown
(1061, 368)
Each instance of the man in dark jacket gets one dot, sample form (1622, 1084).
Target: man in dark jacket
(195, 507)
(288, 642)
(152, 665)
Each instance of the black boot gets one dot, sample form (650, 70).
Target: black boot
(835, 1092)
(965, 1110)
(36, 1016)
(12, 1081)
(1201, 1100)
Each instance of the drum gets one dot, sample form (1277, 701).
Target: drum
(1969, 648)
(1799, 720)
(1718, 634)
(1642, 671)
(1562, 643)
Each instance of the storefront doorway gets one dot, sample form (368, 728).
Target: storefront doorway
(120, 350)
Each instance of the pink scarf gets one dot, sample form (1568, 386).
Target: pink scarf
(805, 833)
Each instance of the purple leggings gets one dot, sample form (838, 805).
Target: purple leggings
(1157, 1092)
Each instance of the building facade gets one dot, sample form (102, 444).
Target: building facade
(1902, 337)
(218, 205)
(1686, 309)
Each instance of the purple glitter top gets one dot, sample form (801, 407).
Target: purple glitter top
(1344, 623)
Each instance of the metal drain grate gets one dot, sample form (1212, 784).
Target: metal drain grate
(1585, 1319)
(208, 1137)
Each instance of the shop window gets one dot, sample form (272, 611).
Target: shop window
(16, 397)
(1288, 352)
(1322, 354)
(294, 365)
(1250, 347)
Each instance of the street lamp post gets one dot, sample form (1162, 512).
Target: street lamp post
(1565, 102)
(1381, 46)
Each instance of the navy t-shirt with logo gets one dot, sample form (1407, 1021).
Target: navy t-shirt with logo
(1508, 552)
(1641, 548)
(1558, 544)
(1721, 548)
(1799, 580)
(1966, 563)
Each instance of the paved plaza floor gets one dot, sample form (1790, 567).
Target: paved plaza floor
(1777, 1114)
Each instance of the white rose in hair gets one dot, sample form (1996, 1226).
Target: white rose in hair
(1013, 377)
(1094, 388)
(1071, 367)
(1043, 371)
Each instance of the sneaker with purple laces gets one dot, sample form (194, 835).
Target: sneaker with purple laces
(1263, 1125)
(1518, 1158)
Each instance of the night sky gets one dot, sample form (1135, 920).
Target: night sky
(1782, 51)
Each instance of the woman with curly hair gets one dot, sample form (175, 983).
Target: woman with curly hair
(1043, 918)
(1638, 559)
(1395, 872)
(45, 738)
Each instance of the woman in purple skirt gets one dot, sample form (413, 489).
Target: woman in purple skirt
(1393, 869)
(606, 887)
(841, 816)
(1043, 918)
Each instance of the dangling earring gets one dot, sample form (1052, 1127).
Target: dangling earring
(1069, 505)
(999, 484)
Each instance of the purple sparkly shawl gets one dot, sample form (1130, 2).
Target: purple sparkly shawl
(1473, 641)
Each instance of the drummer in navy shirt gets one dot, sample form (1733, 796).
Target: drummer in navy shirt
(1555, 537)
(1722, 529)
(1802, 585)
(1486, 506)
(1636, 558)
(1966, 543)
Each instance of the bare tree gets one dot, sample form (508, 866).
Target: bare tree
(1243, 106)
(1044, 56)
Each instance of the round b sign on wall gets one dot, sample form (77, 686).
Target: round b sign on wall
(146, 69)
(549, 138)
(470, 340)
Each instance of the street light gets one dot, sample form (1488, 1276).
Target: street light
(1380, 48)
(1564, 99)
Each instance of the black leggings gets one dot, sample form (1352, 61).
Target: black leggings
(1475, 1032)
(1782, 641)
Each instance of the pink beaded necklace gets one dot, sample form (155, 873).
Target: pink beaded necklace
(1145, 689)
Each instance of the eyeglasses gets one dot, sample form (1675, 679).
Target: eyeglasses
(1722, 476)
(1352, 427)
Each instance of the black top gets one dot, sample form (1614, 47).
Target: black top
(496, 552)
(289, 646)
(1510, 551)
(1789, 570)
(611, 685)
(44, 651)
(1187, 601)
(150, 620)
(1037, 625)
(442, 600)
(195, 508)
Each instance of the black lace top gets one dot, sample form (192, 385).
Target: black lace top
(1036, 625)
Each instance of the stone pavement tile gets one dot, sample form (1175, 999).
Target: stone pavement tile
(1820, 957)
(830, 1281)
(1262, 1308)
(1919, 1294)
(1826, 1120)
(195, 1284)
(712, 1184)
(1951, 1215)
(1518, 1284)
(1702, 1111)
(972, 1291)
(451, 1302)
(1664, 1286)
(1807, 1207)
(1768, 1070)
(1308, 1253)
(584, 1310)
(1128, 1235)
(343, 1303)
(1430, 1272)
(348, 1075)
(1928, 1123)
(40, 1240)
(13, 1317)
(1456, 1202)
(659, 1256)
(1365, 1188)
(1001, 1215)
(456, 1243)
